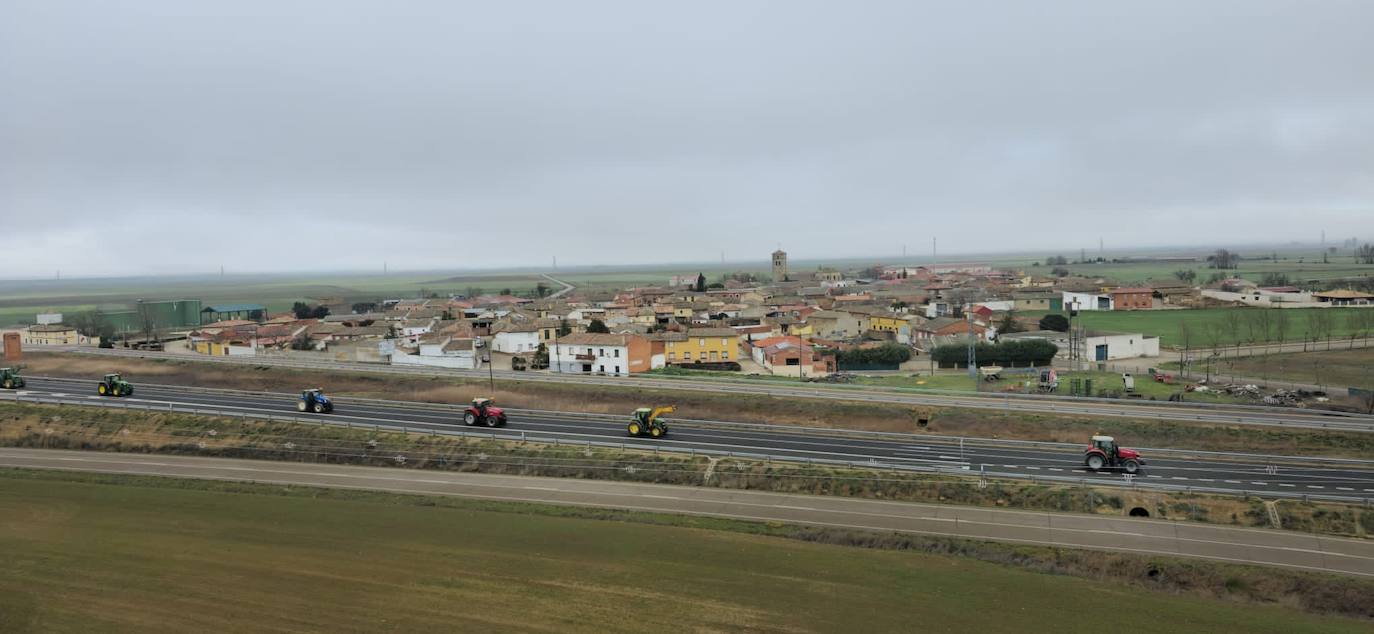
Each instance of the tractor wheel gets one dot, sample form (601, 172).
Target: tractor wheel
(9, 384)
(1094, 462)
(493, 421)
(300, 406)
(1130, 466)
(635, 429)
(469, 418)
(657, 431)
(128, 391)
(103, 390)
(319, 407)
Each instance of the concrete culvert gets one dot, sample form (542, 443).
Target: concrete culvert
(1152, 573)
(1139, 511)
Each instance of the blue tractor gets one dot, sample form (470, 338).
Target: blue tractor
(315, 401)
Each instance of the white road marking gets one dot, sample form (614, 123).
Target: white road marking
(541, 488)
(944, 457)
(1261, 483)
(1344, 489)
(1178, 478)
(1153, 476)
(1010, 466)
(795, 508)
(1313, 486)
(1283, 484)
(1232, 481)
(1205, 480)
(1055, 469)
(660, 497)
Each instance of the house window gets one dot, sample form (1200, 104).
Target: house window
(601, 369)
(687, 356)
(601, 352)
(672, 356)
(617, 353)
(725, 354)
(713, 355)
(724, 342)
(701, 343)
(617, 369)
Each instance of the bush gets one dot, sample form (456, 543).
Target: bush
(1025, 352)
(1055, 322)
(887, 354)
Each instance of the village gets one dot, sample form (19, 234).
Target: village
(817, 324)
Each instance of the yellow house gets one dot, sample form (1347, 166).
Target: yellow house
(703, 345)
(51, 335)
(886, 322)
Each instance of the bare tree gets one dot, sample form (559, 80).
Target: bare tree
(1232, 320)
(1322, 323)
(1216, 336)
(1185, 343)
(1281, 325)
(1354, 322)
(1264, 320)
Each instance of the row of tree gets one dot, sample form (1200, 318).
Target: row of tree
(1021, 353)
(1265, 325)
(886, 354)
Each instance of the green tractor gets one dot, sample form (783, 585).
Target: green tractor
(10, 379)
(114, 385)
(646, 421)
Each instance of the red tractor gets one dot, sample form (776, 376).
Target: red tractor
(1104, 453)
(484, 411)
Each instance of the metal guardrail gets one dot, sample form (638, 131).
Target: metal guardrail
(932, 396)
(872, 463)
(856, 434)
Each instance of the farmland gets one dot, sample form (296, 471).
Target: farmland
(1343, 368)
(1223, 326)
(113, 553)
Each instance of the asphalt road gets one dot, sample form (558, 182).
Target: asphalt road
(1272, 475)
(1156, 537)
(1050, 404)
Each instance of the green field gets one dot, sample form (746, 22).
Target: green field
(1205, 325)
(104, 553)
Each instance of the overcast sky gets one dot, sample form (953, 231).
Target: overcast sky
(174, 136)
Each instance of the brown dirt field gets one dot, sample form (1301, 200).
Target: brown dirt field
(732, 407)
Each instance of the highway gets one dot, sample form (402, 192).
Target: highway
(1200, 471)
(1115, 534)
(1045, 404)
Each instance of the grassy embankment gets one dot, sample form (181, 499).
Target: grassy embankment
(1347, 368)
(121, 553)
(98, 429)
(732, 407)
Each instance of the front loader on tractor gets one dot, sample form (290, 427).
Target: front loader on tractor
(647, 422)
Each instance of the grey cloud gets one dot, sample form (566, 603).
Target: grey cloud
(405, 130)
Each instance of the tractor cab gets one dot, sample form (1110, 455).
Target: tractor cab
(10, 379)
(114, 385)
(1105, 444)
(647, 421)
(484, 410)
(314, 400)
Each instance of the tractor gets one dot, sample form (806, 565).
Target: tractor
(1104, 453)
(646, 421)
(485, 411)
(10, 379)
(314, 400)
(114, 385)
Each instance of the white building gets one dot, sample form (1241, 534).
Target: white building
(597, 353)
(1097, 346)
(1088, 301)
(516, 338)
(448, 352)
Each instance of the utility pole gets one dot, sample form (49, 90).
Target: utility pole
(972, 360)
(934, 252)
